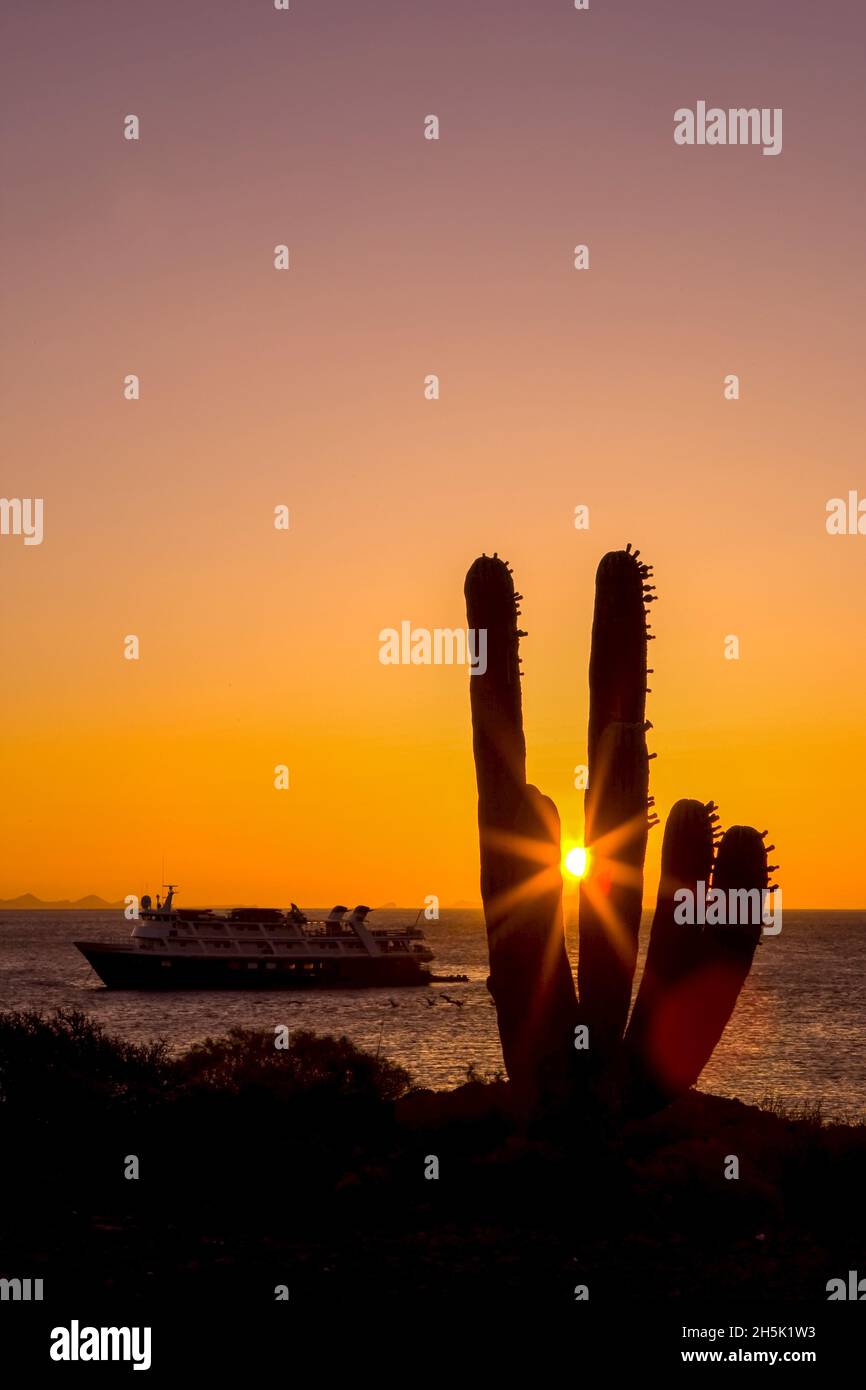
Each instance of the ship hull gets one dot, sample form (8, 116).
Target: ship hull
(127, 967)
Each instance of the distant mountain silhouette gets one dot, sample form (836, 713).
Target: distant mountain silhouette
(26, 902)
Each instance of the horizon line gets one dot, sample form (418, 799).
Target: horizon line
(70, 904)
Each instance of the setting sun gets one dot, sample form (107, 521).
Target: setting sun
(577, 862)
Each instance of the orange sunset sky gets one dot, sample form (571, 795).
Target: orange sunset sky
(306, 388)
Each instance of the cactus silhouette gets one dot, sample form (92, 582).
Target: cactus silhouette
(693, 975)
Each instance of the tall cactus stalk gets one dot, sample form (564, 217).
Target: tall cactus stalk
(521, 885)
(692, 977)
(616, 803)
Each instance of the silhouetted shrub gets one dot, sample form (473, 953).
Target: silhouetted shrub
(51, 1063)
(331, 1068)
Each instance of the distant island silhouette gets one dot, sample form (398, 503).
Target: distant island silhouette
(27, 902)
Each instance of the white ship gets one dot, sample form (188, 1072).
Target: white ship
(258, 947)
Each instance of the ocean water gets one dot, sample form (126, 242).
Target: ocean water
(797, 1032)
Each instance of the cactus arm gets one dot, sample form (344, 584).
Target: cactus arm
(741, 863)
(672, 954)
(693, 974)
